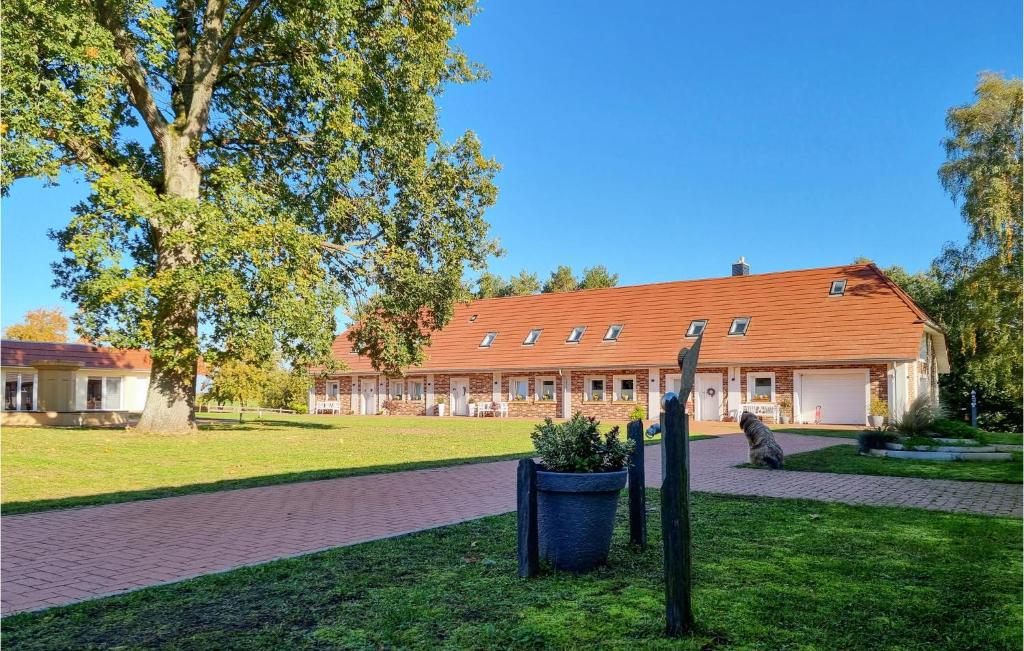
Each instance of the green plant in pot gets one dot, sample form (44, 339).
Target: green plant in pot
(578, 483)
(785, 408)
(878, 412)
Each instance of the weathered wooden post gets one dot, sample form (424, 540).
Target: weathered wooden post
(526, 510)
(675, 499)
(637, 495)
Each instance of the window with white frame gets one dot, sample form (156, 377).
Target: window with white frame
(739, 325)
(333, 390)
(625, 388)
(546, 389)
(488, 339)
(613, 332)
(761, 387)
(576, 334)
(593, 389)
(19, 391)
(532, 337)
(415, 389)
(519, 388)
(696, 327)
(103, 393)
(922, 351)
(397, 389)
(837, 288)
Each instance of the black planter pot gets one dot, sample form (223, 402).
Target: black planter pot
(576, 516)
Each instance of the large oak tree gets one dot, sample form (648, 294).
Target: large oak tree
(253, 164)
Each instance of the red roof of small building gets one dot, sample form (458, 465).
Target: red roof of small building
(27, 353)
(793, 320)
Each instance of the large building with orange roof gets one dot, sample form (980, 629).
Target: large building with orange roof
(815, 345)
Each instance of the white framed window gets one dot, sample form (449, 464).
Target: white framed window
(673, 382)
(761, 387)
(593, 388)
(739, 326)
(837, 288)
(519, 388)
(613, 332)
(103, 393)
(397, 389)
(532, 337)
(488, 339)
(922, 350)
(545, 389)
(696, 327)
(19, 391)
(333, 389)
(415, 389)
(624, 388)
(576, 334)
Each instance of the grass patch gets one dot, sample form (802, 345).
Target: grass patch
(1011, 438)
(52, 468)
(844, 460)
(767, 574)
(823, 431)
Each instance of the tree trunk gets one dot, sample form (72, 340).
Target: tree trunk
(170, 401)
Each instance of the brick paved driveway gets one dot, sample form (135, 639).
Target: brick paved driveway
(61, 557)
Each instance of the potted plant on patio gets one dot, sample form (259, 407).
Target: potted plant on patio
(785, 408)
(578, 482)
(878, 412)
(440, 406)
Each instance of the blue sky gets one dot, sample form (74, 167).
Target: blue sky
(666, 139)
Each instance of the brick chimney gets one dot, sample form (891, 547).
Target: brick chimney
(740, 267)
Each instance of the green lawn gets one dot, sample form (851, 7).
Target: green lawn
(820, 431)
(845, 460)
(768, 574)
(47, 468)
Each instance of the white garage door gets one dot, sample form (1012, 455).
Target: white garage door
(840, 396)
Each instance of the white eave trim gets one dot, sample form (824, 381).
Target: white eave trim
(941, 350)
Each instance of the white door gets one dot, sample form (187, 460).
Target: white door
(707, 399)
(368, 397)
(460, 397)
(841, 398)
(672, 383)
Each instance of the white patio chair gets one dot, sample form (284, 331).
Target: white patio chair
(503, 409)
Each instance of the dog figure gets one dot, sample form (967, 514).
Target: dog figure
(764, 450)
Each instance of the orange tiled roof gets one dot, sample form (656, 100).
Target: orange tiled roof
(27, 353)
(793, 320)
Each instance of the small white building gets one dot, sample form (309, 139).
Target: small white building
(71, 384)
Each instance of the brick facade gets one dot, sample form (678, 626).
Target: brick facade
(481, 390)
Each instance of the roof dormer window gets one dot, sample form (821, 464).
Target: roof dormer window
(838, 288)
(532, 337)
(696, 328)
(739, 326)
(488, 339)
(576, 334)
(613, 332)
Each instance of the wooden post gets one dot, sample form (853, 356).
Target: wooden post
(675, 518)
(526, 509)
(637, 495)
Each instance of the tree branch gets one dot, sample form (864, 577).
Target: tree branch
(133, 72)
(211, 54)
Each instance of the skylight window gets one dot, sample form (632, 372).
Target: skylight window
(838, 288)
(576, 334)
(532, 337)
(613, 332)
(739, 325)
(488, 339)
(472, 318)
(696, 328)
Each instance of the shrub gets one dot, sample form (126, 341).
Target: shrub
(879, 407)
(954, 429)
(874, 440)
(577, 446)
(921, 414)
(638, 413)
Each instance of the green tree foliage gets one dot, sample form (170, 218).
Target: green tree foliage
(253, 164)
(40, 325)
(975, 291)
(561, 280)
(489, 286)
(236, 381)
(521, 285)
(287, 389)
(598, 276)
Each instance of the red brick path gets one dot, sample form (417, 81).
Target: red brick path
(61, 557)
